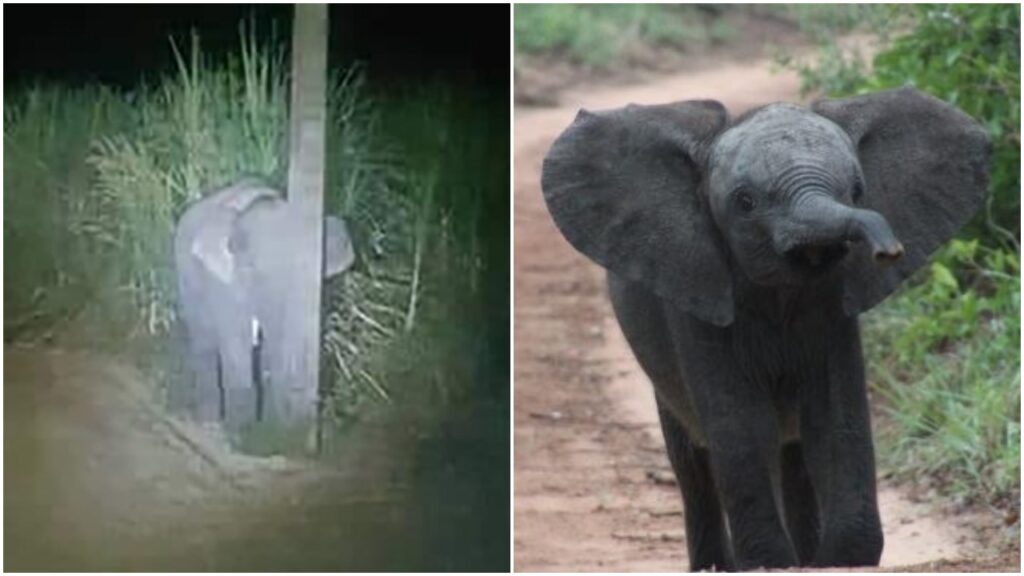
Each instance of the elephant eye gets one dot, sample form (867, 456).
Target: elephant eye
(745, 201)
(858, 190)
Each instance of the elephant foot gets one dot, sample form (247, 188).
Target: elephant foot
(239, 408)
(209, 406)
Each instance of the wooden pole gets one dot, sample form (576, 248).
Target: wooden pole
(306, 198)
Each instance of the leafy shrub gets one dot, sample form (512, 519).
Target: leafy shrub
(47, 137)
(599, 35)
(824, 22)
(945, 355)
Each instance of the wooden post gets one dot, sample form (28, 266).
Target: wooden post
(306, 197)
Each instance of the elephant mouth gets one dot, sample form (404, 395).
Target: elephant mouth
(816, 258)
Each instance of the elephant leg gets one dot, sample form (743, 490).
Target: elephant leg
(835, 430)
(258, 371)
(706, 537)
(272, 363)
(237, 377)
(209, 397)
(743, 448)
(738, 419)
(202, 395)
(801, 508)
(203, 392)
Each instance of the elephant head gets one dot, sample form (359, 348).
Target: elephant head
(259, 239)
(680, 199)
(249, 224)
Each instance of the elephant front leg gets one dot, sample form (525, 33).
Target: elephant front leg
(239, 391)
(800, 503)
(207, 398)
(706, 538)
(836, 435)
(737, 415)
(744, 446)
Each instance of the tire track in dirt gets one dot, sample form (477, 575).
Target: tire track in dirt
(593, 489)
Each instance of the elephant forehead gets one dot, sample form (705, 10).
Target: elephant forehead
(778, 136)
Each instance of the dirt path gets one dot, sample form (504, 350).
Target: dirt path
(97, 477)
(593, 489)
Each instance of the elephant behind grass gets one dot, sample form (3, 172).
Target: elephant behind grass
(235, 267)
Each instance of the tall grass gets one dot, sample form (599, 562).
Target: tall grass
(47, 136)
(95, 180)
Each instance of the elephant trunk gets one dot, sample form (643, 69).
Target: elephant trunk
(819, 228)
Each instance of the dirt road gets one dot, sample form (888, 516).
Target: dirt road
(593, 489)
(97, 477)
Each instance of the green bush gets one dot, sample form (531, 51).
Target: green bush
(47, 136)
(823, 23)
(599, 35)
(945, 355)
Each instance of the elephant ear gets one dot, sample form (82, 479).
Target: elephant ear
(338, 252)
(624, 187)
(926, 169)
(214, 241)
(213, 251)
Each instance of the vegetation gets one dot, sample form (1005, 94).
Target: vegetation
(836, 68)
(95, 179)
(945, 356)
(603, 36)
(600, 35)
(945, 353)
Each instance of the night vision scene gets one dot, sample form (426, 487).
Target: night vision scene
(256, 308)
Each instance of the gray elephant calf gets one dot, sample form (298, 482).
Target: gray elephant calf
(234, 255)
(739, 254)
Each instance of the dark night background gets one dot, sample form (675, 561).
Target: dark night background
(120, 44)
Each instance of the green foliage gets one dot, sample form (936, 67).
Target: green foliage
(945, 354)
(599, 35)
(835, 68)
(824, 22)
(47, 136)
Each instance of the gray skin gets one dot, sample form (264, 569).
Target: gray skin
(739, 255)
(234, 260)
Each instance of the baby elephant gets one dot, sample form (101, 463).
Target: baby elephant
(235, 252)
(739, 254)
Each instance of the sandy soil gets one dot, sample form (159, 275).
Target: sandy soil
(98, 477)
(593, 488)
